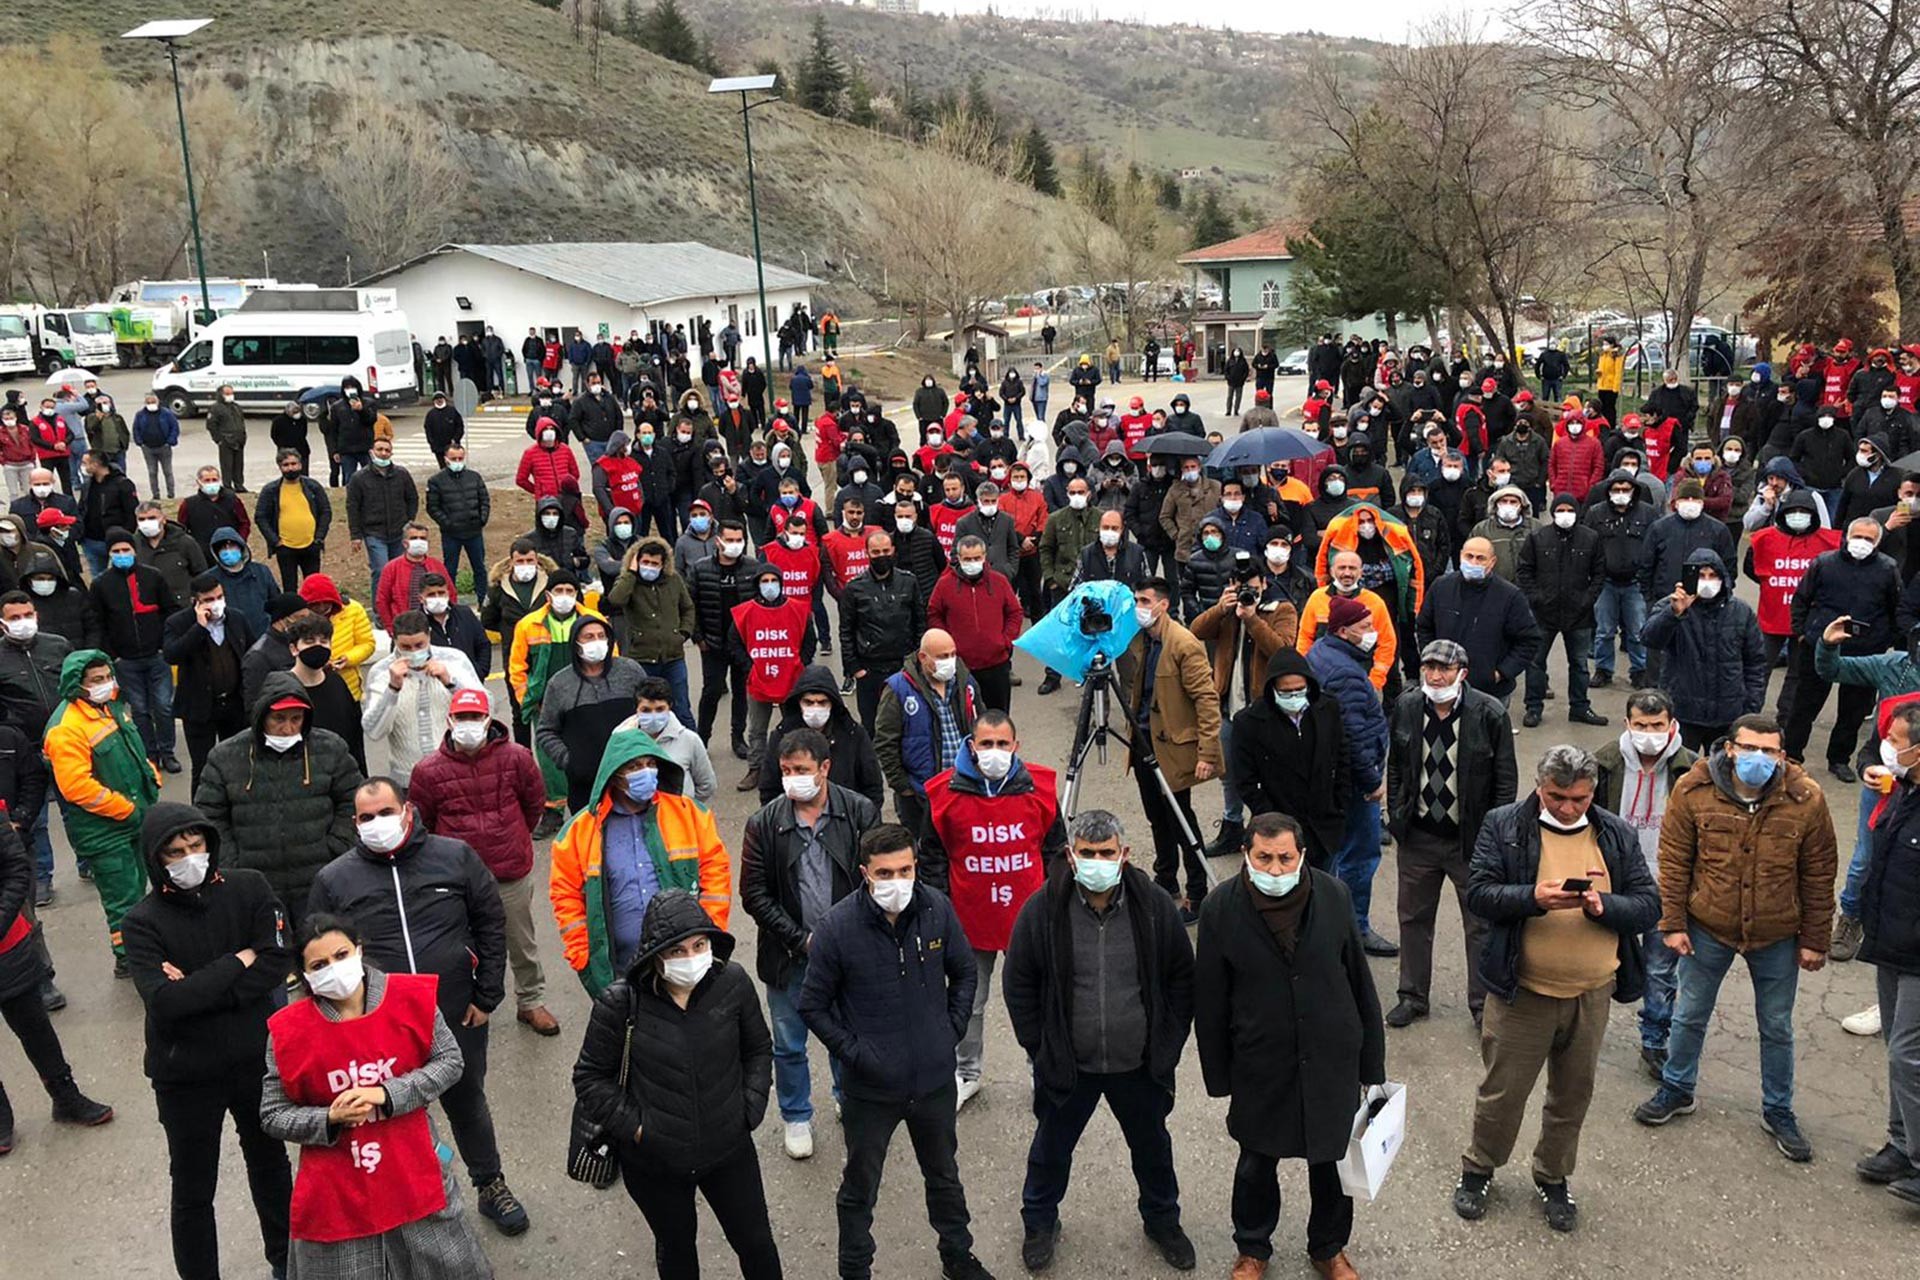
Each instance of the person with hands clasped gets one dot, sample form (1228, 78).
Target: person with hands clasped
(675, 1068)
(349, 1076)
(1747, 859)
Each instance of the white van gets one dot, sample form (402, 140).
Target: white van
(282, 344)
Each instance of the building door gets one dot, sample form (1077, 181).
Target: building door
(471, 330)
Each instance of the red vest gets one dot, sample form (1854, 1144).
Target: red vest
(1780, 560)
(1658, 447)
(382, 1174)
(802, 511)
(1907, 384)
(773, 636)
(942, 519)
(993, 852)
(847, 553)
(799, 570)
(623, 482)
(1834, 383)
(1133, 429)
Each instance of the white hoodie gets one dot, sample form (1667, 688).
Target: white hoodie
(1643, 796)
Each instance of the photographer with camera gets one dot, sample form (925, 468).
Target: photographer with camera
(1167, 680)
(1242, 630)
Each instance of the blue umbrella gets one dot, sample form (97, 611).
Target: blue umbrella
(1267, 445)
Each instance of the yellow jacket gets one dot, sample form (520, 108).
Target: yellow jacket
(1611, 368)
(1313, 620)
(353, 640)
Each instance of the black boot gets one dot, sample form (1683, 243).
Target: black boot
(1232, 836)
(6, 1122)
(70, 1106)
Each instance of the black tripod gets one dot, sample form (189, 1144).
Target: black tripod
(1092, 726)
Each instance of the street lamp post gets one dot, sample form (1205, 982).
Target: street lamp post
(169, 31)
(744, 85)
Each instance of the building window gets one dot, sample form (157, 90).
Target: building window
(1272, 296)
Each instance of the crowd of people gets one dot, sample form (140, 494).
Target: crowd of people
(1334, 634)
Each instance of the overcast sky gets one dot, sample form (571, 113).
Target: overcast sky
(1378, 20)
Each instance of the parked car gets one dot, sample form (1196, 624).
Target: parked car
(1293, 364)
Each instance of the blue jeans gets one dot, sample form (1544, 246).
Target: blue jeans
(675, 674)
(596, 449)
(1621, 608)
(1231, 809)
(379, 552)
(1013, 419)
(1775, 971)
(95, 550)
(1359, 856)
(1656, 1007)
(792, 1078)
(148, 684)
(1040, 413)
(350, 463)
(1862, 855)
(476, 549)
(42, 845)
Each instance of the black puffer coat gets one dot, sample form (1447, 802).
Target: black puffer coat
(459, 503)
(283, 814)
(1716, 665)
(213, 1021)
(716, 588)
(1561, 572)
(699, 1077)
(881, 619)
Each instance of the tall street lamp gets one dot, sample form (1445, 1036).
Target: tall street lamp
(744, 85)
(169, 32)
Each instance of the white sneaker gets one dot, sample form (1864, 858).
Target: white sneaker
(967, 1089)
(800, 1140)
(1864, 1023)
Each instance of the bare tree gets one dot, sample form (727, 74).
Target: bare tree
(393, 183)
(1474, 179)
(1670, 140)
(1120, 236)
(953, 230)
(1857, 64)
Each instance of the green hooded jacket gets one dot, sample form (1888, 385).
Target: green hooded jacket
(117, 761)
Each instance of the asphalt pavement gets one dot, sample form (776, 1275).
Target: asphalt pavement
(1707, 1196)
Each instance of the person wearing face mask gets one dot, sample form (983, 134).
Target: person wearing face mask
(976, 604)
(994, 526)
(894, 1028)
(546, 462)
(698, 542)
(308, 638)
(1782, 835)
(295, 513)
(133, 603)
(209, 949)
(882, 614)
(427, 904)
(227, 428)
(558, 538)
(1428, 527)
(1863, 585)
(1282, 994)
(105, 780)
(208, 650)
(770, 639)
(1824, 452)
(16, 449)
(1560, 572)
(1345, 569)
(1715, 663)
(651, 604)
(40, 498)
(1449, 763)
(926, 710)
(418, 1224)
(654, 715)
(1716, 483)
(798, 858)
(1487, 616)
(683, 1003)
(1669, 545)
(1193, 497)
(1778, 557)
(1872, 483)
(1576, 462)
(212, 506)
(400, 581)
(480, 787)
(993, 835)
(581, 704)
(817, 704)
(1331, 497)
(1288, 753)
(1555, 956)
(1884, 413)
(381, 501)
(1674, 399)
(1620, 515)
(1736, 457)
(1638, 775)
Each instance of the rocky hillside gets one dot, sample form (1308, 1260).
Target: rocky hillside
(643, 154)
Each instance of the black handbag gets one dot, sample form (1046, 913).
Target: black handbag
(590, 1157)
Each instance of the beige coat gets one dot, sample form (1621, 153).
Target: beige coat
(1185, 717)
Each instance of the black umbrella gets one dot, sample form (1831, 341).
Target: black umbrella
(1267, 445)
(1176, 444)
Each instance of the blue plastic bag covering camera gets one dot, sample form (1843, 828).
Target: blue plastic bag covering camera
(1058, 641)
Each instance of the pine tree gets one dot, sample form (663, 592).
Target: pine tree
(1211, 224)
(781, 84)
(980, 107)
(632, 25)
(1168, 192)
(669, 34)
(823, 79)
(1036, 158)
(860, 101)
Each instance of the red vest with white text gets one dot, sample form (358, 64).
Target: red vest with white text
(1780, 560)
(942, 519)
(799, 570)
(773, 635)
(993, 851)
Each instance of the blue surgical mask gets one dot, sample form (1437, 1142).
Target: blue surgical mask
(121, 559)
(1755, 768)
(1273, 886)
(1472, 572)
(649, 573)
(1096, 875)
(1291, 703)
(379, 461)
(642, 785)
(1702, 466)
(232, 556)
(789, 499)
(654, 723)
(700, 524)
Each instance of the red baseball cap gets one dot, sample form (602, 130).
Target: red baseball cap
(470, 702)
(52, 516)
(1489, 386)
(290, 703)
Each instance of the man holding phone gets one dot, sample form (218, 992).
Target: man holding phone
(1566, 895)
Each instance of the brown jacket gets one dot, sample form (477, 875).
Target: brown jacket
(1219, 629)
(1185, 717)
(1750, 880)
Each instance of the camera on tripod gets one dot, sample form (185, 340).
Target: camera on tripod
(1094, 618)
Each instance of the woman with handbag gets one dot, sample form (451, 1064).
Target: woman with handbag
(671, 1082)
(349, 1076)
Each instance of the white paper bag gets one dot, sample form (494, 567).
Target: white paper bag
(1374, 1143)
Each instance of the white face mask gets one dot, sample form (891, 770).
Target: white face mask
(995, 762)
(593, 650)
(1278, 556)
(1019, 486)
(800, 786)
(416, 546)
(816, 717)
(563, 603)
(1442, 693)
(989, 509)
(280, 742)
(1620, 499)
(686, 972)
(1709, 588)
(23, 629)
(102, 694)
(435, 605)
(190, 871)
(385, 833)
(40, 490)
(944, 669)
(1860, 548)
(891, 896)
(149, 528)
(1890, 757)
(525, 572)
(468, 733)
(1507, 512)
(1109, 537)
(1450, 473)
(338, 980)
(1648, 743)
(1689, 510)
(972, 568)
(1415, 501)
(1864, 458)
(1078, 501)
(1367, 640)
(1563, 519)
(1144, 615)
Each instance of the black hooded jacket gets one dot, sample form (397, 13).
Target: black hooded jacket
(1307, 771)
(212, 1023)
(855, 766)
(699, 1077)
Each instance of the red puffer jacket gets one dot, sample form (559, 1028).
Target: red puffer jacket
(490, 799)
(542, 470)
